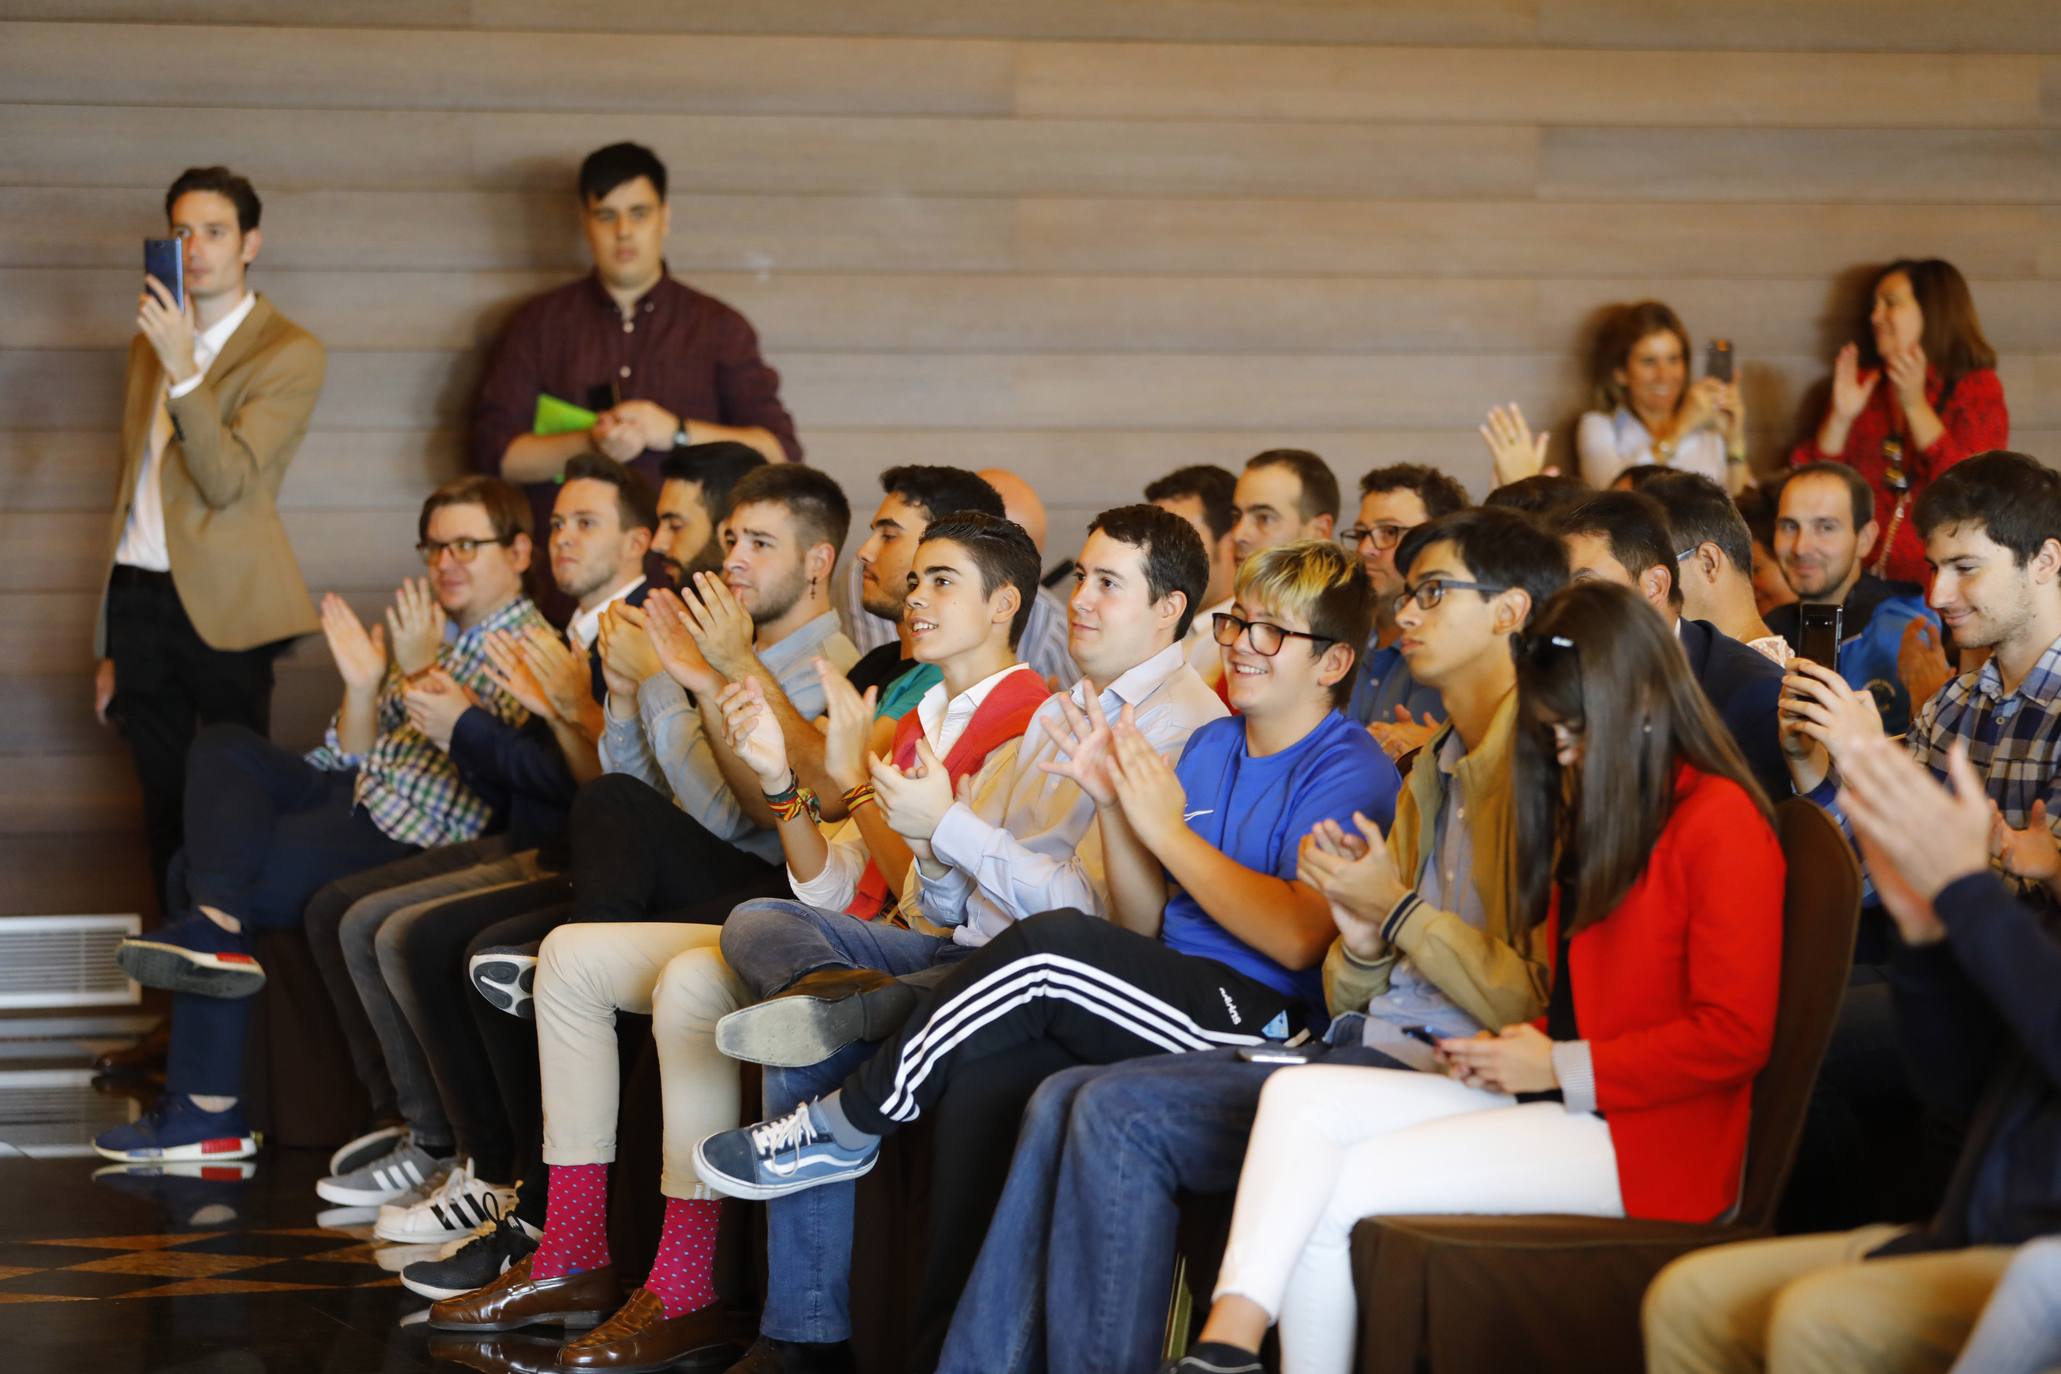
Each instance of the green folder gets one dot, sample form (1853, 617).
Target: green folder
(560, 417)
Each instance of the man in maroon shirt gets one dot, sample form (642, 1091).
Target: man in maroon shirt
(661, 364)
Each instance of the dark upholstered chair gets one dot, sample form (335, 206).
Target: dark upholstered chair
(1539, 1293)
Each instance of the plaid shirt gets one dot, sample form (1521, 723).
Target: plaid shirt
(408, 786)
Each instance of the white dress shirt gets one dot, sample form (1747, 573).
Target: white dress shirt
(943, 723)
(143, 537)
(585, 627)
(1028, 841)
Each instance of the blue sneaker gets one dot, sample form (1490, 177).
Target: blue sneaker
(193, 954)
(178, 1129)
(775, 1158)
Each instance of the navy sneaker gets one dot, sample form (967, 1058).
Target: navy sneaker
(193, 954)
(506, 976)
(178, 1129)
(775, 1158)
(194, 1195)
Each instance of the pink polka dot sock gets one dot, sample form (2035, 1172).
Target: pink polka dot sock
(575, 1222)
(683, 1273)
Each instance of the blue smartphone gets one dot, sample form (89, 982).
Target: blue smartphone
(165, 259)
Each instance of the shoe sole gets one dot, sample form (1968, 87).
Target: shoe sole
(766, 1192)
(200, 1152)
(508, 984)
(178, 969)
(358, 1153)
(801, 1032)
(328, 1191)
(568, 1319)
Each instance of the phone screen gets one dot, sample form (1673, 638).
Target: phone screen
(163, 259)
(1717, 360)
(1817, 636)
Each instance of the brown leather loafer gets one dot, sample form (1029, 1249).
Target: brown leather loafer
(640, 1338)
(496, 1354)
(815, 1016)
(516, 1300)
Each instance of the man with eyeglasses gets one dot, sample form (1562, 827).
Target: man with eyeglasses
(1426, 938)
(1400, 712)
(1284, 494)
(266, 828)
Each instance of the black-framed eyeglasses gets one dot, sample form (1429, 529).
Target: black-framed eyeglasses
(1432, 590)
(1386, 534)
(464, 550)
(1266, 638)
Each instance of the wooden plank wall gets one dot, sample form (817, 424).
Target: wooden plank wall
(1088, 240)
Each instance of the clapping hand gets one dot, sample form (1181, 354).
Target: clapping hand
(510, 671)
(415, 626)
(850, 726)
(666, 622)
(1086, 747)
(560, 670)
(360, 657)
(1906, 370)
(1921, 661)
(913, 800)
(753, 734)
(1851, 387)
(627, 658)
(435, 702)
(1520, 1060)
(1357, 876)
(1516, 453)
(1399, 736)
(1147, 788)
(720, 625)
(2031, 853)
(1916, 836)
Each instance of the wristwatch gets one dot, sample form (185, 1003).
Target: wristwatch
(680, 439)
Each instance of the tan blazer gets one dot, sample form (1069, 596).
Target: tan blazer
(232, 438)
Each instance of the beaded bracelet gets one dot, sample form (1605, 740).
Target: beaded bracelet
(855, 797)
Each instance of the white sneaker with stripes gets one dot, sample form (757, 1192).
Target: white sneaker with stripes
(455, 1209)
(404, 1169)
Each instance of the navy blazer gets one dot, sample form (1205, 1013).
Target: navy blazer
(520, 770)
(1745, 687)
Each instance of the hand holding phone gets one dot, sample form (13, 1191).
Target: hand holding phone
(165, 260)
(1818, 634)
(1717, 360)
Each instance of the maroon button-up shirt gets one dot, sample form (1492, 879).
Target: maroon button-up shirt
(686, 351)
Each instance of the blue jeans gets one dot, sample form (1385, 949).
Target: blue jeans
(769, 944)
(1078, 1260)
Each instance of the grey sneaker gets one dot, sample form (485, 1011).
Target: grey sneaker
(506, 976)
(402, 1170)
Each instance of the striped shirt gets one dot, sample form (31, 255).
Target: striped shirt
(408, 786)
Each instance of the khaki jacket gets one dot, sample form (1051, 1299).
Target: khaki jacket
(232, 438)
(1498, 975)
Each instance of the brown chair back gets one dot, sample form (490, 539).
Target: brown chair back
(1821, 907)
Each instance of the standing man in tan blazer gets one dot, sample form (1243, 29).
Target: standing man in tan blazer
(202, 589)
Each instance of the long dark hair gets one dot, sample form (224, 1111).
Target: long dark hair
(1952, 338)
(1620, 334)
(1598, 658)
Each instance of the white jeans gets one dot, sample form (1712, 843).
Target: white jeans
(586, 973)
(1333, 1145)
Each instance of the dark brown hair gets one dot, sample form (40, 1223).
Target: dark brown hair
(508, 511)
(1952, 337)
(1620, 334)
(1627, 687)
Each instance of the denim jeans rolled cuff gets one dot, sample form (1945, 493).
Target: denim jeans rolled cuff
(809, 1234)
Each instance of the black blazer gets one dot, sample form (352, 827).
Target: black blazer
(1744, 686)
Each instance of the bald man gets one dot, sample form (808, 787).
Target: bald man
(1044, 645)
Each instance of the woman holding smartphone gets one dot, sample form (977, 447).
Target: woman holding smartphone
(1644, 840)
(1915, 395)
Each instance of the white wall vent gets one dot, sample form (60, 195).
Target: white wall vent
(64, 961)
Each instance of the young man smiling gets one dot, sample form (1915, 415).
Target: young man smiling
(973, 577)
(1425, 936)
(1284, 494)
(1210, 941)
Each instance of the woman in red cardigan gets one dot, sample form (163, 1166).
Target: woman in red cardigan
(1917, 397)
(1642, 835)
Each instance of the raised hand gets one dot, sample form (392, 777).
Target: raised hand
(1921, 662)
(1086, 748)
(753, 733)
(360, 657)
(915, 800)
(1923, 836)
(1147, 788)
(434, 703)
(2030, 853)
(850, 731)
(510, 672)
(720, 625)
(1829, 711)
(560, 670)
(1702, 405)
(1851, 387)
(1907, 374)
(1399, 736)
(415, 626)
(665, 620)
(169, 329)
(1516, 453)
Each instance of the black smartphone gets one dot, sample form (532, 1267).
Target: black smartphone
(165, 259)
(1273, 1054)
(1818, 633)
(1717, 360)
(1423, 1035)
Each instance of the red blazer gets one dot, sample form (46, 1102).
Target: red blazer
(1675, 991)
(1976, 420)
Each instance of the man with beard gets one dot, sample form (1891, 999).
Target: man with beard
(692, 501)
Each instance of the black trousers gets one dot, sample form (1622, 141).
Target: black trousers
(635, 854)
(169, 683)
(1100, 992)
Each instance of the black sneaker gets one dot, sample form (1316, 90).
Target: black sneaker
(506, 975)
(473, 1265)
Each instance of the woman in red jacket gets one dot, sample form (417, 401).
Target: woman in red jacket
(1919, 395)
(1642, 835)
